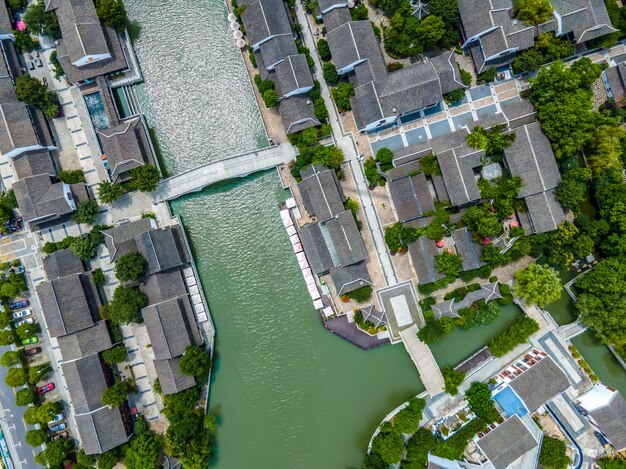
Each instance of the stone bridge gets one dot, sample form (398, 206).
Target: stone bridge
(237, 166)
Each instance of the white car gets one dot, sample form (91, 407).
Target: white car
(22, 314)
(24, 321)
(57, 418)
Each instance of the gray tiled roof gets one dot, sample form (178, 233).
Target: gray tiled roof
(544, 211)
(170, 377)
(336, 17)
(33, 164)
(101, 430)
(448, 71)
(350, 278)
(468, 249)
(62, 263)
(163, 286)
(264, 19)
(587, 19)
(321, 192)
(530, 157)
(80, 28)
(315, 248)
(457, 170)
(366, 106)
(162, 248)
(69, 304)
(297, 113)
(410, 88)
(94, 339)
(126, 146)
(616, 79)
(612, 421)
(350, 43)
(507, 442)
(40, 200)
(371, 314)
(326, 4)
(276, 49)
(85, 382)
(518, 112)
(423, 252)
(171, 327)
(411, 197)
(16, 128)
(539, 384)
(5, 20)
(293, 74)
(346, 245)
(121, 239)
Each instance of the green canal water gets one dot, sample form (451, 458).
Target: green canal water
(289, 394)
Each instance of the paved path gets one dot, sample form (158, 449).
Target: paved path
(429, 371)
(346, 143)
(237, 166)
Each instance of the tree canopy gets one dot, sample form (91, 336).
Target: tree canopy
(56, 453)
(109, 192)
(86, 212)
(114, 355)
(126, 304)
(195, 362)
(115, 395)
(41, 21)
(16, 377)
(537, 285)
(452, 379)
(144, 178)
(552, 455)
(112, 13)
(572, 190)
(448, 263)
(34, 93)
(130, 266)
(534, 12)
(479, 399)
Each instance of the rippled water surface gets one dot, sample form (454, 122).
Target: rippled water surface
(290, 394)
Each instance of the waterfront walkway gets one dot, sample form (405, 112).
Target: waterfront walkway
(429, 371)
(234, 167)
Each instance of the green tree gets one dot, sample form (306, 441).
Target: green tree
(361, 295)
(517, 333)
(323, 50)
(449, 264)
(534, 12)
(86, 212)
(36, 437)
(24, 41)
(56, 453)
(342, 94)
(98, 277)
(385, 157)
(4, 320)
(17, 5)
(309, 136)
(435, 330)
(195, 362)
(485, 313)
(537, 285)
(430, 30)
(270, 98)
(109, 192)
(7, 337)
(482, 221)
(479, 399)
(42, 22)
(552, 455)
(30, 415)
(71, 176)
(130, 266)
(26, 330)
(603, 148)
(144, 452)
(452, 379)
(112, 13)
(145, 178)
(359, 13)
(25, 396)
(11, 358)
(38, 373)
(84, 247)
(115, 395)
(58, 68)
(84, 461)
(388, 444)
(330, 73)
(371, 173)
(114, 355)
(109, 459)
(572, 190)
(126, 304)
(16, 377)
(34, 93)
(47, 410)
(408, 419)
(13, 286)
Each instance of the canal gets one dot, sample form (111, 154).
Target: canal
(288, 393)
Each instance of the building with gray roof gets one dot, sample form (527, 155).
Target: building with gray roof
(163, 286)
(469, 250)
(170, 377)
(121, 239)
(423, 252)
(297, 113)
(43, 201)
(126, 146)
(605, 409)
(162, 248)
(94, 339)
(69, 303)
(459, 169)
(373, 315)
(539, 384)
(507, 443)
(518, 112)
(33, 164)
(321, 193)
(350, 277)
(6, 28)
(62, 263)
(584, 19)
(346, 245)
(293, 76)
(324, 6)
(336, 17)
(614, 79)
(265, 19)
(315, 248)
(411, 196)
(544, 211)
(272, 52)
(100, 428)
(17, 134)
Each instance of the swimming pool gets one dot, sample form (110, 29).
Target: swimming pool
(95, 106)
(510, 403)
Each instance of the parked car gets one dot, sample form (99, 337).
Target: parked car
(45, 388)
(58, 428)
(22, 314)
(57, 418)
(32, 351)
(30, 340)
(56, 436)
(19, 304)
(24, 321)
(38, 63)
(31, 66)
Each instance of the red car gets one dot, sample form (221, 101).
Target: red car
(45, 388)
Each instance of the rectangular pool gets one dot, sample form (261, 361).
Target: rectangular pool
(510, 403)
(95, 106)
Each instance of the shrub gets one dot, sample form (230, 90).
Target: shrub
(487, 76)
(330, 73)
(17, 5)
(361, 295)
(34, 93)
(485, 314)
(114, 355)
(454, 96)
(435, 330)
(341, 94)
(58, 69)
(371, 173)
(449, 264)
(479, 399)
(98, 277)
(452, 379)
(428, 288)
(552, 455)
(270, 98)
(389, 445)
(323, 50)
(466, 77)
(516, 334)
(109, 192)
(71, 176)
(144, 178)
(115, 395)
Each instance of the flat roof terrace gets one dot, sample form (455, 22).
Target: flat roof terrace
(400, 304)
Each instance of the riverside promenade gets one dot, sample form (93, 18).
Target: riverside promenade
(237, 166)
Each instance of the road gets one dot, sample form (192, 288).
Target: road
(346, 143)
